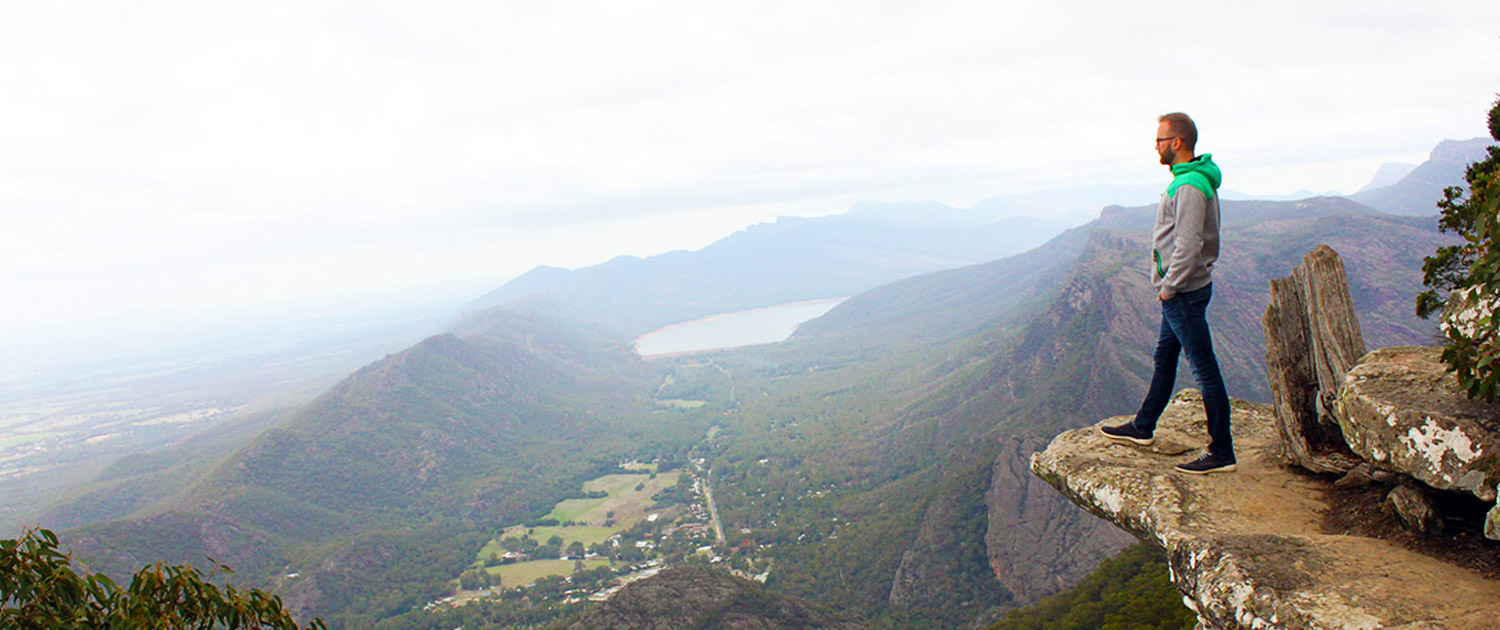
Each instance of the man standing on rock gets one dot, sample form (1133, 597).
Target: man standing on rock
(1186, 245)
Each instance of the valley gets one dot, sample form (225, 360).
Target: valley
(508, 472)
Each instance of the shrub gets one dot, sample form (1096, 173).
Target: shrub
(1465, 278)
(38, 589)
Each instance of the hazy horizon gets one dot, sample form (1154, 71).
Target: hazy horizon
(165, 161)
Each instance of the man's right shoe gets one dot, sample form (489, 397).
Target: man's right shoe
(1128, 433)
(1208, 464)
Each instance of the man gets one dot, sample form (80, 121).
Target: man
(1186, 245)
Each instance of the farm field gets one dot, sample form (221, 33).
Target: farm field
(628, 502)
(522, 573)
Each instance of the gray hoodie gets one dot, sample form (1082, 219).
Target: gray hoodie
(1186, 236)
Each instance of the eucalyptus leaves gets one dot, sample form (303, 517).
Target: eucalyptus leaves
(1470, 274)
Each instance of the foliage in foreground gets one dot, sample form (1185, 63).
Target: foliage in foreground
(1470, 273)
(38, 589)
(1128, 592)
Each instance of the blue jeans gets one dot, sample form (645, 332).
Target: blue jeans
(1184, 328)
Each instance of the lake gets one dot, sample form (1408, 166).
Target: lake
(732, 330)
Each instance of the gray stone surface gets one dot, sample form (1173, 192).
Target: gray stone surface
(1399, 408)
(1414, 507)
(1248, 549)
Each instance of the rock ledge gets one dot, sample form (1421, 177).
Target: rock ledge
(1248, 549)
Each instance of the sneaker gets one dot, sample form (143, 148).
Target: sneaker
(1206, 464)
(1128, 433)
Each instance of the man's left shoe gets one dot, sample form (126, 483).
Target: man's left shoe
(1206, 464)
(1127, 433)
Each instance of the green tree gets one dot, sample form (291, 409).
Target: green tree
(1466, 276)
(473, 579)
(38, 589)
(1128, 592)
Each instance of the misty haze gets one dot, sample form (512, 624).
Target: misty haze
(600, 315)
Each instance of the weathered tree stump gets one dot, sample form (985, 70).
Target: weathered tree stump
(1312, 340)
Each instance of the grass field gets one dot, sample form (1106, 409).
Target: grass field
(628, 504)
(523, 573)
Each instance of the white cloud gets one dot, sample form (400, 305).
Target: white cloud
(191, 154)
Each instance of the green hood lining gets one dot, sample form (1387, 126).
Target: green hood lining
(1200, 173)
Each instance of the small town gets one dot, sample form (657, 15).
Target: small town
(626, 527)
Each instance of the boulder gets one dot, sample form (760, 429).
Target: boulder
(1400, 409)
(1250, 549)
(1414, 507)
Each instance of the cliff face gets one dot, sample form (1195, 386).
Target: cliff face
(1257, 549)
(1038, 542)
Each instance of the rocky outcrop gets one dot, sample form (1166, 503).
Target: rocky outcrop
(701, 598)
(1272, 546)
(1039, 543)
(1312, 340)
(1254, 549)
(1401, 410)
(1393, 411)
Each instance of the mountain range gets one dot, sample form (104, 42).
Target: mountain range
(879, 455)
(793, 259)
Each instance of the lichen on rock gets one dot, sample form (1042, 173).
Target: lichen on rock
(1401, 408)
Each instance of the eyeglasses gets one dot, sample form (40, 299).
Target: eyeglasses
(1161, 140)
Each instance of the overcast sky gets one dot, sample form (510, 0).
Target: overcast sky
(170, 157)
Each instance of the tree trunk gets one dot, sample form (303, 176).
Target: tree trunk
(1312, 340)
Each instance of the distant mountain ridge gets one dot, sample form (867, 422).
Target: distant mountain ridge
(791, 260)
(1388, 174)
(1419, 191)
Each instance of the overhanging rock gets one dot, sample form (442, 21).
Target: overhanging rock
(1400, 409)
(1248, 549)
